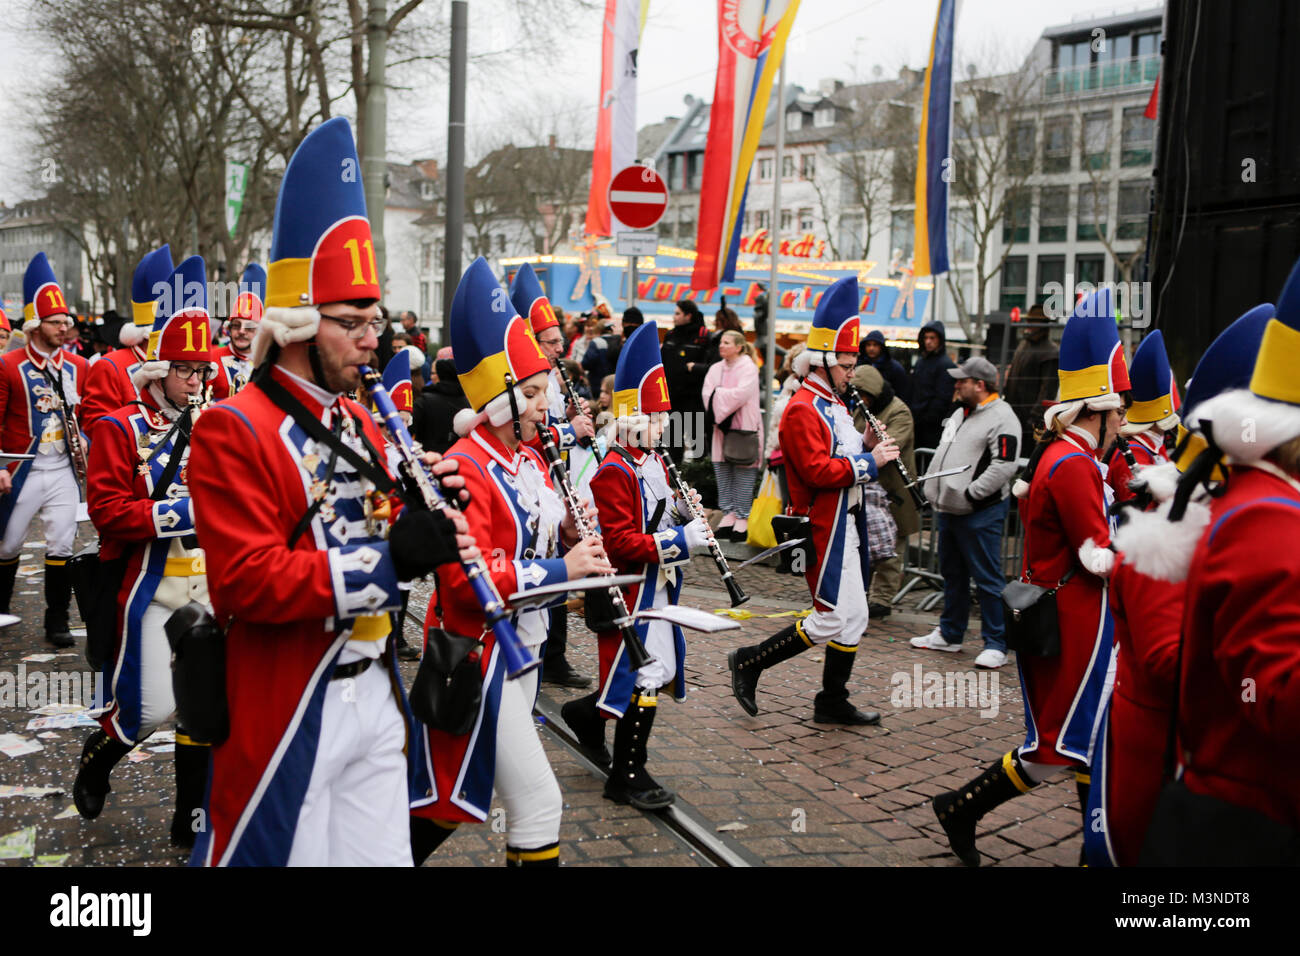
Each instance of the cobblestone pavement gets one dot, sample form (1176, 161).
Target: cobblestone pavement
(784, 790)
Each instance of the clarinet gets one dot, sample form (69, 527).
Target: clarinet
(571, 396)
(738, 596)
(518, 660)
(638, 657)
(71, 433)
(918, 496)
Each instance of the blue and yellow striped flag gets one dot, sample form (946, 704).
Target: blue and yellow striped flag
(930, 248)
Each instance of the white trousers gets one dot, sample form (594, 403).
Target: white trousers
(355, 811)
(662, 647)
(525, 783)
(847, 622)
(54, 494)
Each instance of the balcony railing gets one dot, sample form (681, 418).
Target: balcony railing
(1099, 77)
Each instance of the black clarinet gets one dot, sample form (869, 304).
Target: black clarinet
(571, 396)
(638, 657)
(914, 489)
(684, 491)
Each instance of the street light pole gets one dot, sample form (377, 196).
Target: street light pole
(455, 161)
(374, 168)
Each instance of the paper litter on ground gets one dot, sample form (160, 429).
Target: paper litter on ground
(39, 658)
(18, 845)
(61, 722)
(48, 735)
(164, 749)
(20, 747)
(27, 570)
(135, 756)
(162, 737)
(13, 790)
(67, 813)
(51, 709)
(51, 859)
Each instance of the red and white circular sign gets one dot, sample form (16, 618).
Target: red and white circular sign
(638, 197)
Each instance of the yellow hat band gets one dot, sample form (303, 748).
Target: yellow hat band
(626, 402)
(142, 313)
(288, 283)
(1149, 412)
(1276, 364)
(1195, 444)
(1084, 383)
(822, 340)
(486, 380)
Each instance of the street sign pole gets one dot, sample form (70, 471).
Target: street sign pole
(638, 197)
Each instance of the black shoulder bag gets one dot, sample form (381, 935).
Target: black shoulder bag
(739, 446)
(1032, 621)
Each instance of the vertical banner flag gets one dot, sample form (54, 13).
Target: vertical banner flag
(236, 181)
(616, 117)
(934, 156)
(751, 41)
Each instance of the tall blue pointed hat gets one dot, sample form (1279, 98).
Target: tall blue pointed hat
(397, 380)
(182, 328)
(1249, 423)
(531, 302)
(42, 297)
(251, 301)
(835, 321)
(1155, 393)
(490, 341)
(1091, 367)
(640, 386)
(148, 280)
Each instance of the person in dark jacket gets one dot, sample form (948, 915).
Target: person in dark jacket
(932, 386)
(1031, 379)
(685, 358)
(435, 410)
(875, 352)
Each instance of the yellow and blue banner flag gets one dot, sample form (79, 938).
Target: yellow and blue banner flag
(930, 246)
(751, 41)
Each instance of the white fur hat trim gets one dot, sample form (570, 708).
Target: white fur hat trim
(1245, 426)
(1159, 548)
(284, 325)
(131, 334)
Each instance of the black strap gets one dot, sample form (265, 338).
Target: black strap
(661, 507)
(316, 504)
(174, 462)
(56, 383)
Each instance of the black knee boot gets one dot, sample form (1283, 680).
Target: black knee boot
(427, 835)
(959, 810)
(405, 651)
(584, 718)
(831, 705)
(747, 663)
(556, 668)
(8, 574)
(98, 758)
(191, 764)
(58, 595)
(628, 780)
(548, 855)
(1083, 787)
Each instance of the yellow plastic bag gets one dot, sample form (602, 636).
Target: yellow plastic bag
(767, 505)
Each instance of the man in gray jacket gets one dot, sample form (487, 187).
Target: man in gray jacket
(972, 510)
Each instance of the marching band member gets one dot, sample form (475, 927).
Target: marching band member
(140, 505)
(39, 391)
(641, 536)
(568, 427)
(1147, 592)
(517, 518)
(6, 331)
(825, 462)
(109, 383)
(1067, 545)
(314, 770)
(1153, 412)
(397, 382)
(234, 367)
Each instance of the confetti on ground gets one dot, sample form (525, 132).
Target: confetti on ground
(162, 737)
(51, 859)
(11, 790)
(135, 756)
(27, 570)
(39, 658)
(731, 827)
(76, 632)
(52, 709)
(21, 747)
(18, 845)
(164, 749)
(61, 722)
(67, 813)
(48, 735)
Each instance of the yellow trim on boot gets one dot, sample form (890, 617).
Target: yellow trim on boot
(445, 824)
(1009, 765)
(1083, 776)
(55, 562)
(8, 562)
(533, 856)
(847, 649)
(184, 740)
(798, 629)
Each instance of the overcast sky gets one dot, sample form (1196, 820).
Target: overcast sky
(678, 56)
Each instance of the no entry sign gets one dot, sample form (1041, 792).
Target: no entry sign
(638, 197)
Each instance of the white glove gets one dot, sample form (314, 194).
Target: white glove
(697, 536)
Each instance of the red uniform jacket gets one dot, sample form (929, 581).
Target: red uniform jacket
(109, 386)
(820, 474)
(230, 366)
(1147, 450)
(1239, 712)
(252, 471)
(1065, 508)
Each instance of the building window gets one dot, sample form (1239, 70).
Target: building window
(805, 220)
(1134, 203)
(426, 256)
(787, 220)
(1093, 200)
(787, 167)
(1056, 144)
(1022, 148)
(1137, 135)
(962, 232)
(666, 225)
(1050, 269)
(794, 121)
(1015, 282)
(1096, 141)
(901, 227)
(808, 165)
(851, 226)
(501, 242)
(1054, 214)
(763, 219)
(424, 298)
(686, 229)
(824, 116)
(426, 190)
(765, 170)
(1089, 269)
(1015, 222)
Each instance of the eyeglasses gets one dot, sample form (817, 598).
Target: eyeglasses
(847, 368)
(187, 372)
(357, 328)
(235, 325)
(61, 323)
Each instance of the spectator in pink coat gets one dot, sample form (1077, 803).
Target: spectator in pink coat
(731, 388)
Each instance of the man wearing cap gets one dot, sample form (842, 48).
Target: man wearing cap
(39, 393)
(108, 381)
(315, 769)
(234, 367)
(984, 435)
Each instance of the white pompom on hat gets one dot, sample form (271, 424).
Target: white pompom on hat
(284, 325)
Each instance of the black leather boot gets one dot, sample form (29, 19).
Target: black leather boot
(427, 835)
(8, 575)
(588, 725)
(959, 810)
(628, 780)
(191, 764)
(548, 855)
(1083, 787)
(747, 663)
(98, 758)
(58, 595)
(556, 668)
(831, 705)
(405, 651)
